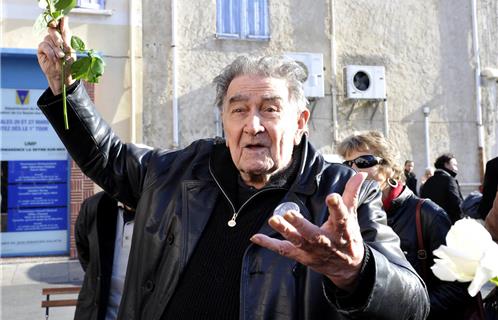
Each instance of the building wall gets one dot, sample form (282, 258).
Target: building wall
(109, 33)
(106, 32)
(426, 47)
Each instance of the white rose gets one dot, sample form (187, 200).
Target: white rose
(469, 255)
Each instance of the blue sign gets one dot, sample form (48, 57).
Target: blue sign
(37, 195)
(37, 171)
(37, 219)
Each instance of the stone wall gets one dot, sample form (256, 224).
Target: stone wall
(425, 46)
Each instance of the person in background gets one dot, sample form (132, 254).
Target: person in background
(103, 253)
(370, 152)
(428, 172)
(410, 178)
(443, 187)
(489, 187)
(201, 248)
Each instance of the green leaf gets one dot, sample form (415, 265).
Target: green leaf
(41, 22)
(77, 44)
(494, 280)
(65, 5)
(57, 15)
(96, 69)
(79, 69)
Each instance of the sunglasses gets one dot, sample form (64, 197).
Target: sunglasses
(365, 161)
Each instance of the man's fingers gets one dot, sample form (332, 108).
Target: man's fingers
(283, 248)
(49, 51)
(352, 189)
(309, 232)
(286, 229)
(66, 34)
(338, 211)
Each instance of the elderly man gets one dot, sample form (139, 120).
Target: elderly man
(201, 248)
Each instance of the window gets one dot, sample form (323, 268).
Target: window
(242, 19)
(91, 4)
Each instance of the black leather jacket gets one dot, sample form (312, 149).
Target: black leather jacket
(443, 189)
(448, 299)
(174, 193)
(95, 240)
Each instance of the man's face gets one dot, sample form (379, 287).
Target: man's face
(261, 126)
(409, 166)
(452, 165)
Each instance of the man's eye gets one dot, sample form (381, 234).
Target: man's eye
(270, 109)
(237, 110)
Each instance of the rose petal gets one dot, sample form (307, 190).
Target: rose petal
(443, 271)
(462, 267)
(481, 277)
(489, 259)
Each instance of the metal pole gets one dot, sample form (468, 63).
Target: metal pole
(477, 79)
(426, 111)
(133, 110)
(333, 73)
(386, 119)
(174, 79)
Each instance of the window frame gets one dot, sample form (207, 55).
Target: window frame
(245, 23)
(85, 4)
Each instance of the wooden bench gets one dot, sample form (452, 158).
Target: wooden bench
(47, 303)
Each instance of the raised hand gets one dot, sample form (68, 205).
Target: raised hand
(50, 52)
(334, 249)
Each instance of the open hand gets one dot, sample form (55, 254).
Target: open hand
(334, 249)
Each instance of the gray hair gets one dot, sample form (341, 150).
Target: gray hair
(268, 66)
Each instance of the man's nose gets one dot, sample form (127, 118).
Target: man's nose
(253, 124)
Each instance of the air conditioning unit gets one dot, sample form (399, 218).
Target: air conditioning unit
(365, 82)
(314, 86)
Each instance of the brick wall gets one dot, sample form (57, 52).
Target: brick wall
(81, 188)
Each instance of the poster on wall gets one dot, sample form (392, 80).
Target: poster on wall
(34, 173)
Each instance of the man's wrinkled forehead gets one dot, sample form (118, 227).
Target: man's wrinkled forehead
(243, 94)
(240, 97)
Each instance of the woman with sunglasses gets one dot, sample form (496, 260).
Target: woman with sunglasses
(371, 153)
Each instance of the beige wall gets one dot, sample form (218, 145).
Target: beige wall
(426, 47)
(107, 33)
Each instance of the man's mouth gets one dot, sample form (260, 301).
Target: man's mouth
(255, 146)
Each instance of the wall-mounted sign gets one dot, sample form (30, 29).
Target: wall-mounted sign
(34, 179)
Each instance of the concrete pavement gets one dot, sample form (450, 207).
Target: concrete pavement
(21, 282)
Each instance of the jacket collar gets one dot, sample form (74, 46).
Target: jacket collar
(404, 196)
(445, 172)
(305, 182)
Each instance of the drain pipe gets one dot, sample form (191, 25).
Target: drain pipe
(477, 79)
(133, 106)
(386, 118)
(174, 75)
(427, 111)
(333, 73)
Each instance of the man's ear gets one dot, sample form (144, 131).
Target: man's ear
(302, 125)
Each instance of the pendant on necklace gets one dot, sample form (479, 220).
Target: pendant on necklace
(232, 223)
